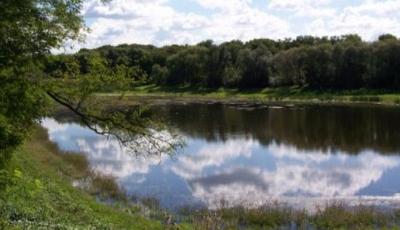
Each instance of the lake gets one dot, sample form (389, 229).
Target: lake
(303, 156)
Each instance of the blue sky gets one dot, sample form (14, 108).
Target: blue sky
(162, 22)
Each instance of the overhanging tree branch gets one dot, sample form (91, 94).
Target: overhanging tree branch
(134, 132)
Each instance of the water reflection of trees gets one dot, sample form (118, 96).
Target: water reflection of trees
(345, 128)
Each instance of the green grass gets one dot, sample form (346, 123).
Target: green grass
(277, 217)
(266, 95)
(40, 195)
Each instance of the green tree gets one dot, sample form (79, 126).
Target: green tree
(255, 66)
(350, 65)
(158, 74)
(384, 69)
(61, 66)
(319, 68)
(289, 68)
(29, 30)
(387, 37)
(188, 66)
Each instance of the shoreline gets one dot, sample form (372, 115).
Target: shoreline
(256, 97)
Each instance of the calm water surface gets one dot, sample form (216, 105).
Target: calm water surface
(303, 156)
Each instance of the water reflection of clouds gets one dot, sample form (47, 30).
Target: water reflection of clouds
(297, 174)
(108, 157)
(105, 155)
(212, 155)
(238, 170)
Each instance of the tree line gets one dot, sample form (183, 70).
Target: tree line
(341, 62)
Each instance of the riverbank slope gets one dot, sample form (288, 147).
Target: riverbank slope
(37, 192)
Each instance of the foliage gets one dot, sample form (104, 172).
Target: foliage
(40, 194)
(158, 74)
(29, 30)
(276, 216)
(339, 63)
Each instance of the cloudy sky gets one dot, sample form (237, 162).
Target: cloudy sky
(161, 22)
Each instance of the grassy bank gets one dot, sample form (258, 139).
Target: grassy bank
(267, 95)
(335, 216)
(39, 193)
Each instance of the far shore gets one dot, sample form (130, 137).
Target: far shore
(267, 96)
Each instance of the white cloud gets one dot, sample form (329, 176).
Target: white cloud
(157, 22)
(123, 21)
(160, 22)
(369, 19)
(231, 6)
(309, 8)
(246, 25)
(124, 8)
(293, 4)
(378, 7)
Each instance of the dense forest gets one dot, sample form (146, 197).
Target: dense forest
(345, 62)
